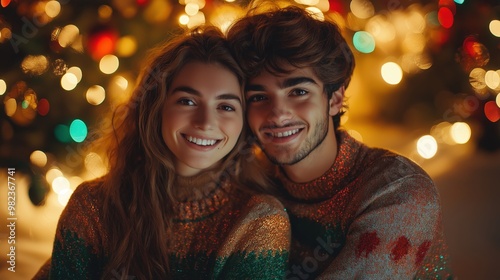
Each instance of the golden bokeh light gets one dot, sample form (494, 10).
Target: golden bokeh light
(3, 87)
(392, 73)
(69, 81)
(35, 64)
(184, 19)
(492, 79)
(109, 64)
(38, 158)
(196, 20)
(68, 35)
(52, 174)
(95, 95)
(191, 9)
(362, 9)
(59, 184)
(461, 132)
(104, 11)
(126, 46)
(77, 72)
(10, 107)
(52, 8)
(427, 146)
(495, 27)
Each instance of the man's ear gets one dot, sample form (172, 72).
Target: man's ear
(336, 101)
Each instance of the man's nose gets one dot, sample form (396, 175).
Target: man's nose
(280, 112)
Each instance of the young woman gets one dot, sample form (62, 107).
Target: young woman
(173, 204)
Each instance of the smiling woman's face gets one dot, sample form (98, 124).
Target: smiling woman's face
(202, 117)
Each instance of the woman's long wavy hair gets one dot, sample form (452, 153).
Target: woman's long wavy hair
(139, 197)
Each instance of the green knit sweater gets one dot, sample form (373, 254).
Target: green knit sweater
(224, 233)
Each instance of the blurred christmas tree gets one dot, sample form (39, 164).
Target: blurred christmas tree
(64, 64)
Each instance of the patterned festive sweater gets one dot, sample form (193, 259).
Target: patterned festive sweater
(372, 215)
(223, 234)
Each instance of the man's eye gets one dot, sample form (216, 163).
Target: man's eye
(256, 98)
(185, 101)
(299, 92)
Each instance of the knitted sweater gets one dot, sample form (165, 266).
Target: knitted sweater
(224, 234)
(372, 215)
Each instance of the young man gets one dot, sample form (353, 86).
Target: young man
(356, 212)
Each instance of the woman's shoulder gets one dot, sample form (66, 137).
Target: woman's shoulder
(87, 197)
(259, 204)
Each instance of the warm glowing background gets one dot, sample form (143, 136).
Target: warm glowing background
(426, 85)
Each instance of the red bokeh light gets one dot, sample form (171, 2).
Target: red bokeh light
(102, 43)
(445, 17)
(43, 107)
(492, 111)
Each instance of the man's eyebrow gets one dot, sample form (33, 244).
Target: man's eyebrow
(224, 96)
(290, 82)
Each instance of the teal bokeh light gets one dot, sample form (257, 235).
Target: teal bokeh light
(62, 133)
(78, 130)
(363, 42)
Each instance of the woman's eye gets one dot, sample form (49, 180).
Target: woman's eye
(256, 98)
(187, 102)
(227, 108)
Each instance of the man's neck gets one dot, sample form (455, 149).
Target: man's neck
(316, 163)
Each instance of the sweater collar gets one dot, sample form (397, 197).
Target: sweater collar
(333, 180)
(201, 195)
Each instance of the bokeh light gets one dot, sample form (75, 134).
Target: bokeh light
(427, 146)
(69, 81)
(52, 174)
(95, 95)
(316, 13)
(363, 42)
(445, 17)
(78, 130)
(492, 79)
(184, 19)
(35, 64)
(59, 184)
(10, 107)
(126, 46)
(52, 8)
(191, 9)
(492, 111)
(392, 73)
(498, 99)
(94, 165)
(495, 27)
(38, 158)
(68, 35)
(3, 87)
(109, 64)
(105, 11)
(61, 132)
(476, 78)
(43, 107)
(77, 72)
(362, 8)
(460, 132)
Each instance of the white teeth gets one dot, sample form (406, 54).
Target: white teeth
(201, 142)
(286, 133)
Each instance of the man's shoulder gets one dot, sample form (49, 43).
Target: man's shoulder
(392, 165)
